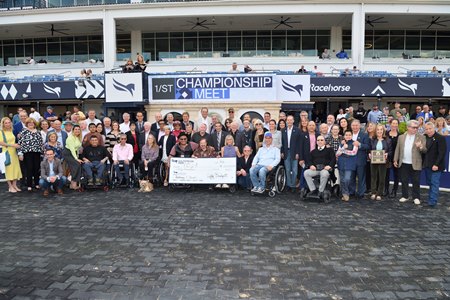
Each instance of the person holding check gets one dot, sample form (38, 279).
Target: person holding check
(381, 153)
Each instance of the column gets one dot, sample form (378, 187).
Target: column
(358, 27)
(335, 40)
(136, 43)
(109, 41)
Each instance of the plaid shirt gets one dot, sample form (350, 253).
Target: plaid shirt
(382, 119)
(333, 143)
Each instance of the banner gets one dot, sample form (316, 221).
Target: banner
(123, 87)
(445, 176)
(293, 87)
(202, 170)
(212, 87)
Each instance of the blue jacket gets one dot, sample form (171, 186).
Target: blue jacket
(361, 157)
(17, 128)
(296, 146)
(347, 162)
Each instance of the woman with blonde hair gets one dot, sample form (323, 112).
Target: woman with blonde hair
(8, 143)
(31, 149)
(258, 134)
(230, 150)
(149, 157)
(71, 156)
(441, 126)
(52, 143)
(44, 125)
(378, 170)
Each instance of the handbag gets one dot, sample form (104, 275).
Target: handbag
(7, 156)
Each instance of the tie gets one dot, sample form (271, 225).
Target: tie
(218, 140)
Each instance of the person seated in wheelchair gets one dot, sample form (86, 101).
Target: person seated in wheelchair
(122, 153)
(204, 151)
(149, 157)
(243, 166)
(95, 157)
(266, 159)
(183, 148)
(322, 161)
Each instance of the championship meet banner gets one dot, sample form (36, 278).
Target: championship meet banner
(123, 87)
(213, 87)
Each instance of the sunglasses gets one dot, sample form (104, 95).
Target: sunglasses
(123, 139)
(182, 139)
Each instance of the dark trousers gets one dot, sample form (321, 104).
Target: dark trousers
(378, 177)
(368, 176)
(388, 177)
(74, 165)
(33, 166)
(150, 166)
(23, 169)
(361, 174)
(407, 172)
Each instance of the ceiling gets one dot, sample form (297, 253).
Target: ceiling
(222, 23)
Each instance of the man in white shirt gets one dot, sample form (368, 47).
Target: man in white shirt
(140, 122)
(125, 126)
(204, 119)
(170, 120)
(35, 115)
(267, 117)
(91, 118)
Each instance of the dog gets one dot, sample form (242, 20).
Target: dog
(145, 186)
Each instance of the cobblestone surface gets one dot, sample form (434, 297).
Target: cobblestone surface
(217, 245)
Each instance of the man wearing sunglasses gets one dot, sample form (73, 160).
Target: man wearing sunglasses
(122, 152)
(408, 157)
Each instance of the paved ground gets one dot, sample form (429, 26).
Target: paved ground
(205, 245)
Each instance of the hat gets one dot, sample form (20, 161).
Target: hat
(267, 135)
(67, 122)
(50, 107)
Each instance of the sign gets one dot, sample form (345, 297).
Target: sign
(212, 87)
(123, 87)
(202, 170)
(377, 157)
(293, 87)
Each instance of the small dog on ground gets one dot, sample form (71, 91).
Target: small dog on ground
(145, 186)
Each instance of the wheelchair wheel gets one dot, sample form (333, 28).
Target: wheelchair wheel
(272, 194)
(303, 193)
(327, 196)
(232, 188)
(280, 179)
(336, 190)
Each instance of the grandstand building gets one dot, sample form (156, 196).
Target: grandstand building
(393, 46)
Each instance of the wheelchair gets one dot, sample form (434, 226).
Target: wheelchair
(332, 189)
(275, 181)
(133, 175)
(100, 181)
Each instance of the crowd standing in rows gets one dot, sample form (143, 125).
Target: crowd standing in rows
(41, 149)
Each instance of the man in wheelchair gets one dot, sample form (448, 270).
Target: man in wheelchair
(94, 157)
(122, 152)
(323, 159)
(267, 158)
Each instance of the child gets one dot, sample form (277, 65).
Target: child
(346, 163)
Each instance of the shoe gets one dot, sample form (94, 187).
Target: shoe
(45, 194)
(225, 186)
(260, 190)
(17, 189)
(321, 195)
(378, 198)
(12, 190)
(60, 192)
(218, 186)
(254, 189)
(393, 194)
(166, 183)
(345, 198)
(373, 196)
(403, 199)
(416, 201)
(29, 189)
(313, 193)
(90, 181)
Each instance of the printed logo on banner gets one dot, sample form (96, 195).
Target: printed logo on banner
(12, 91)
(298, 88)
(293, 87)
(122, 87)
(446, 87)
(85, 89)
(55, 91)
(407, 87)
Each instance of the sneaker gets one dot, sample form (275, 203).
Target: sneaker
(218, 186)
(90, 181)
(378, 198)
(45, 194)
(403, 199)
(60, 192)
(345, 198)
(416, 201)
(260, 190)
(373, 197)
(254, 189)
(225, 186)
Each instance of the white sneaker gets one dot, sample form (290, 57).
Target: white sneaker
(218, 186)
(403, 199)
(416, 201)
(260, 190)
(225, 186)
(254, 189)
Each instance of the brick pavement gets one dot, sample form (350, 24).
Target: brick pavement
(217, 245)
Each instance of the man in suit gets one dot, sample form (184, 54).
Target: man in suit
(308, 144)
(217, 138)
(51, 173)
(362, 141)
(155, 126)
(139, 122)
(186, 121)
(434, 162)
(290, 151)
(408, 157)
(143, 136)
(243, 166)
(21, 124)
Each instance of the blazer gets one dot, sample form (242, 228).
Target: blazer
(130, 139)
(17, 128)
(361, 156)
(171, 141)
(296, 146)
(142, 139)
(213, 140)
(416, 153)
(241, 164)
(305, 154)
(387, 146)
(436, 152)
(57, 168)
(154, 127)
(184, 126)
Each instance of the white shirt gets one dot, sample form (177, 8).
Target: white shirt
(36, 116)
(407, 151)
(289, 133)
(124, 127)
(355, 137)
(107, 130)
(206, 121)
(95, 121)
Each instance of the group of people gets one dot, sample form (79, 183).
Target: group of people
(360, 156)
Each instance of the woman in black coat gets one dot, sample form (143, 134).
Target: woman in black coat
(166, 143)
(133, 137)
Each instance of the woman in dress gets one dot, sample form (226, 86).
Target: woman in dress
(113, 137)
(8, 143)
(276, 135)
(149, 157)
(70, 154)
(378, 171)
(31, 149)
(44, 129)
(229, 150)
(52, 143)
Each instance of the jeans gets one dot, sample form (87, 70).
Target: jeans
(324, 175)
(244, 181)
(407, 172)
(126, 172)
(433, 180)
(346, 180)
(87, 167)
(361, 174)
(291, 166)
(59, 183)
(258, 175)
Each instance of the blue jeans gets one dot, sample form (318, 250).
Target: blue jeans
(361, 174)
(291, 166)
(258, 175)
(87, 167)
(433, 180)
(58, 184)
(244, 181)
(126, 171)
(345, 177)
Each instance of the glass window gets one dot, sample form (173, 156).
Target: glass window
(249, 43)
(278, 43)
(442, 43)
(346, 42)
(323, 42)
(190, 45)
(162, 45)
(40, 51)
(234, 44)
(67, 52)
(308, 42)
(397, 42)
(20, 50)
(293, 43)
(219, 44)
(29, 50)
(204, 44)
(381, 42)
(176, 45)
(95, 50)
(412, 42)
(220, 33)
(148, 46)
(428, 43)
(264, 43)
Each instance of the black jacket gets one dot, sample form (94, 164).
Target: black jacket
(130, 139)
(387, 147)
(305, 154)
(213, 140)
(436, 152)
(295, 145)
(326, 157)
(171, 141)
(241, 164)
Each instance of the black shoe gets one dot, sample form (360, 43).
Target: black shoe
(393, 194)
(313, 193)
(321, 195)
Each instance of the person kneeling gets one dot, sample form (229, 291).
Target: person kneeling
(265, 160)
(94, 156)
(322, 160)
(51, 173)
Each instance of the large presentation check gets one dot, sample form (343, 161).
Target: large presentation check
(202, 170)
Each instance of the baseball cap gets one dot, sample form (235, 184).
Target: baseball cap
(49, 107)
(267, 135)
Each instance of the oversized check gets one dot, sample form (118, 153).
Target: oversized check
(202, 170)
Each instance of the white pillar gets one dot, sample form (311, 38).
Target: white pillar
(136, 42)
(335, 40)
(109, 41)
(358, 27)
